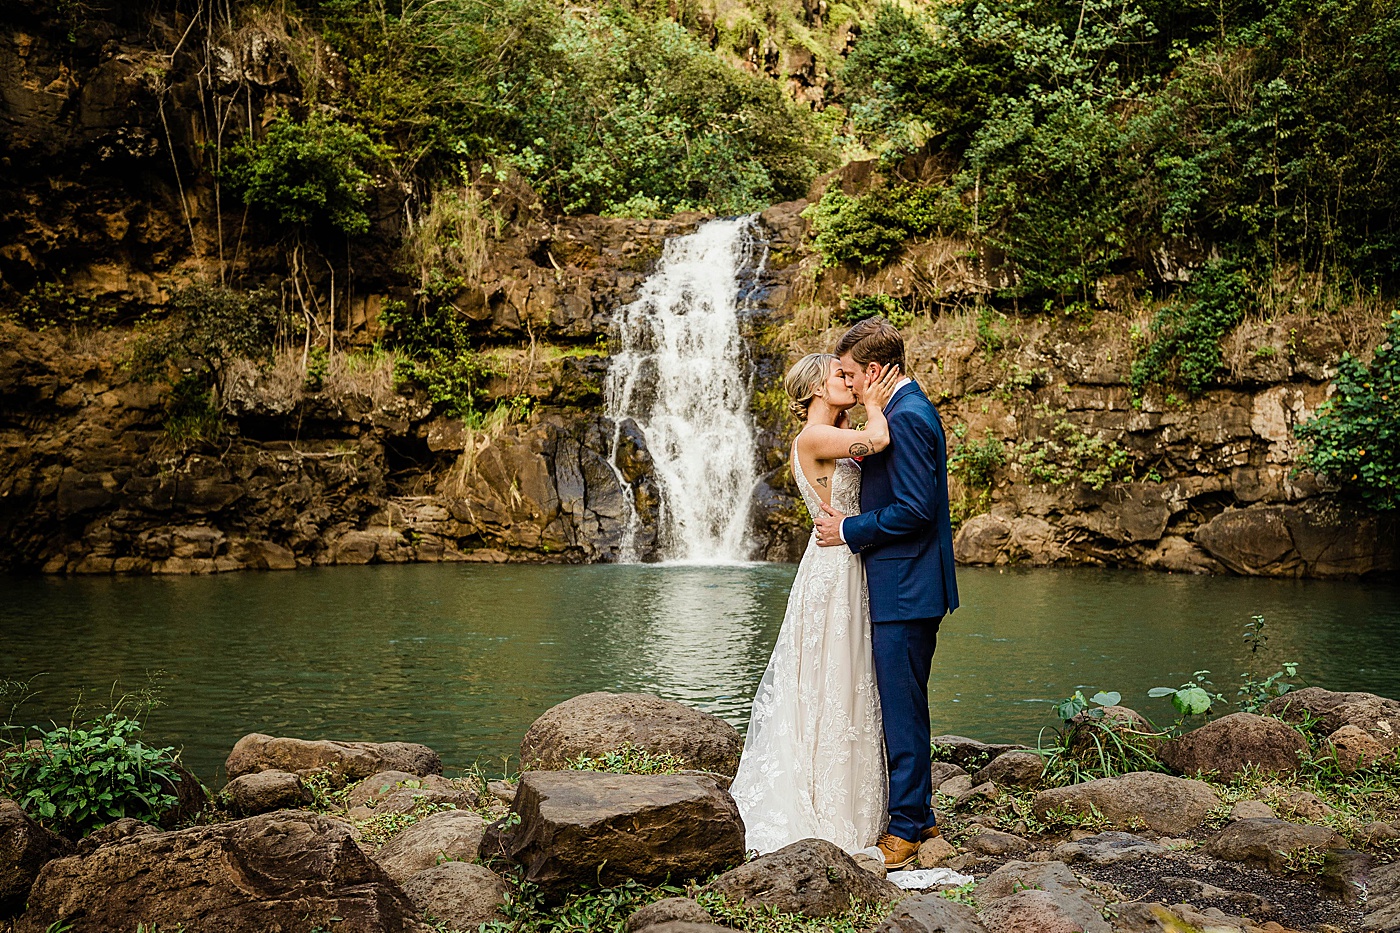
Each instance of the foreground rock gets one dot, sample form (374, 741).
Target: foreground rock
(931, 913)
(264, 792)
(344, 761)
(399, 792)
(1107, 849)
(460, 894)
(1140, 800)
(1232, 743)
(667, 910)
(1038, 897)
(1274, 844)
(595, 724)
(438, 837)
(585, 827)
(1153, 917)
(812, 877)
(1355, 749)
(281, 871)
(25, 848)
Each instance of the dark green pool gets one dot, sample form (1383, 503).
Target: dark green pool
(464, 657)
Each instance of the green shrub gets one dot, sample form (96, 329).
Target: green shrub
(82, 777)
(886, 306)
(1355, 437)
(1071, 455)
(206, 328)
(438, 355)
(190, 411)
(870, 229)
(1186, 334)
(976, 462)
(306, 173)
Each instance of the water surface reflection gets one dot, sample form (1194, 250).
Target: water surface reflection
(464, 657)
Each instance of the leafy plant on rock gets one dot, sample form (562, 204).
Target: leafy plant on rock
(1090, 744)
(1186, 333)
(1193, 698)
(1355, 438)
(1254, 693)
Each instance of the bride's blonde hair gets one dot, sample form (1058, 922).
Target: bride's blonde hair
(803, 380)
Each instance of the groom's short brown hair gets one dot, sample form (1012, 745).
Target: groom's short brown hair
(873, 340)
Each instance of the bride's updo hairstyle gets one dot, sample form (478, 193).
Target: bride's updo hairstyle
(803, 381)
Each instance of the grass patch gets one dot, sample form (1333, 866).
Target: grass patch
(629, 759)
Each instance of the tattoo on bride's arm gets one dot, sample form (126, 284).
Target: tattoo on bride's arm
(859, 449)
(821, 480)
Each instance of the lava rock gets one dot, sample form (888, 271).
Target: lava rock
(667, 910)
(593, 827)
(812, 877)
(1107, 849)
(1232, 743)
(447, 834)
(1251, 810)
(1376, 715)
(1012, 769)
(1038, 897)
(286, 870)
(265, 791)
(969, 753)
(1354, 748)
(344, 761)
(595, 724)
(458, 893)
(25, 848)
(931, 913)
(996, 844)
(942, 771)
(1270, 843)
(1158, 802)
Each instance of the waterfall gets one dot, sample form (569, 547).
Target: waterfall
(682, 375)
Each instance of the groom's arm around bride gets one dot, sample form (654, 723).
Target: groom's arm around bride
(905, 539)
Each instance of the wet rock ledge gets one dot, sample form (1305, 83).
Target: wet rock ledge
(1283, 820)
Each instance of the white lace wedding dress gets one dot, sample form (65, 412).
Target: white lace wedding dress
(814, 759)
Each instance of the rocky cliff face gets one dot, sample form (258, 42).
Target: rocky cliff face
(111, 206)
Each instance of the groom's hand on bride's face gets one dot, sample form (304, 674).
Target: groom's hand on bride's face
(829, 527)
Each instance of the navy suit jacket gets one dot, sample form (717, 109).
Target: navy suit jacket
(903, 530)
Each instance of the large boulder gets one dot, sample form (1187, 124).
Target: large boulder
(265, 791)
(1232, 743)
(1139, 800)
(1127, 725)
(1329, 711)
(343, 761)
(1355, 749)
(25, 847)
(1274, 844)
(460, 894)
(279, 871)
(1383, 900)
(931, 913)
(597, 723)
(447, 834)
(593, 827)
(812, 877)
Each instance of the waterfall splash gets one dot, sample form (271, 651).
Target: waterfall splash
(682, 376)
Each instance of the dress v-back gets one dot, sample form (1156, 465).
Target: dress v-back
(814, 758)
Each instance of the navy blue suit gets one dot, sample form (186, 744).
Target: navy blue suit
(905, 536)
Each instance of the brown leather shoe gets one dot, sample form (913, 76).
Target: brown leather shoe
(933, 832)
(897, 852)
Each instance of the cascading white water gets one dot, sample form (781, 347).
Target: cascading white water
(681, 375)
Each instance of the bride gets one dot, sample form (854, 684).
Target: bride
(814, 760)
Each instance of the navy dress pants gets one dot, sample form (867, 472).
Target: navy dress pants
(903, 657)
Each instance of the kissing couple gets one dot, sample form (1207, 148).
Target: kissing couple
(838, 741)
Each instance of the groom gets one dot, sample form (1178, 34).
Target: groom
(904, 534)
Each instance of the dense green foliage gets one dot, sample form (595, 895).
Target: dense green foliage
(306, 173)
(867, 230)
(438, 355)
(80, 777)
(1186, 333)
(205, 329)
(1092, 135)
(1355, 438)
(605, 111)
